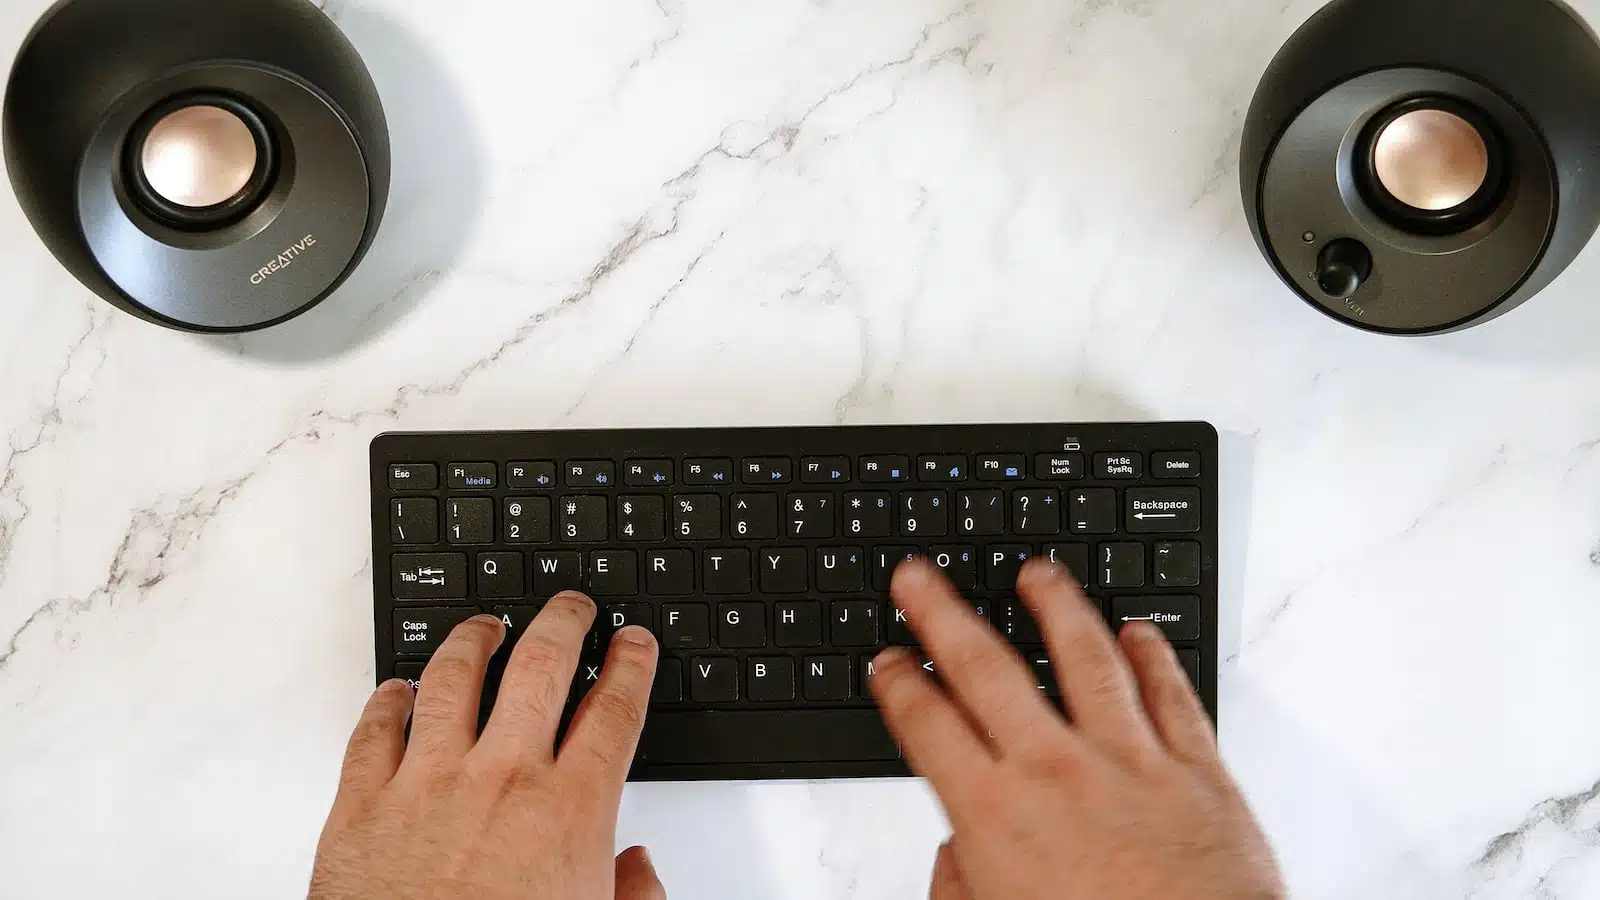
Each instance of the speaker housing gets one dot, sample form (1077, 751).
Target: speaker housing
(1526, 73)
(86, 84)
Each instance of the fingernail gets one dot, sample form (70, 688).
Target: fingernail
(576, 597)
(394, 684)
(891, 657)
(644, 854)
(635, 634)
(487, 619)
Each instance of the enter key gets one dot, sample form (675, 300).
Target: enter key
(1178, 617)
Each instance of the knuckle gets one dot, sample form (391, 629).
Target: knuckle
(449, 677)
(541, 652)
(616, 711)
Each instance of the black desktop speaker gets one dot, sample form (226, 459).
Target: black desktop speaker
(1423, 166)
(210, 165)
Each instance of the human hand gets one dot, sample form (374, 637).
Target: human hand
(507, 814)
(1128, 800)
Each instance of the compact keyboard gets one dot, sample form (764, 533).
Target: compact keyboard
(761, 559)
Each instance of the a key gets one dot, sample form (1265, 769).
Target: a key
(884, 562)
(470, 476)
(539, 474)
(583, 519)
(613, 573)
(1120, 565)
(797, 623)
(557, 571)
(767, 470)
(526, 520)
(685, 626)
(754, 517)
(1036, 512)
(642, 517)
(741, 625)
(900, 634)
(1118, 465)
(959, 564)
(867, 514)
(726, 571)
(884, 469)
(668, 686)
(924, 514)
(697, 517)
(647, 472)
(428, 576)
(1058, 466)
(1177, 564)
(1092, 511)
(591, 473)
(1162, 510)
(1075, 557)
(825, 469)
(980, 512)
(1003, 563)
(414, 520)
(827, 678)
(669, 573)
(499, 575)
(770, 679)
(840, 570)
(809, 515)
(413, 477)
(853, 623)
(421, 631)
(1002, 467)
(783, 571)
(942, 468)
(707, 471)
(714, 679)
(516, 619)
(469, 520)
(1177, 617)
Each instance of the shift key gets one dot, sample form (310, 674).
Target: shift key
(429, 576)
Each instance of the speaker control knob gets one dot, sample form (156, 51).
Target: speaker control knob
(1343, 267)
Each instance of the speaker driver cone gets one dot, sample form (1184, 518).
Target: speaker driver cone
(198, 163)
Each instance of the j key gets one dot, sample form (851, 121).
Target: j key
(642, 517)
(668, 686)
(413, 477)
(770, 679)
(825, 469)
(465, 476)
(1177, 564)
(1044, 674)
(1177, 617)
(1074, 556)
(1191, 664)
(809, 515)
(469, 520)
(714, 679)
(581, 473)
(1175, 464)
(539, 474)
(1163, 510)
(941, 468)
(867, 514)
(899, 629)
(840, 570)
(428, 576)
(414, 520)
(884, 469)
(959, 564)
(1120, 565)
(1002, 565)
(499, 576)
(924, 514)
(621, 615)
(767, 470)
(1092, 511)
(726, 571)
(647, 472)
(685, 626)
(797, 624)
(707, 471)
(1017, 623)
(516, 619)
(669, 572)
(853, 623)
(783, 571)
(1036, 512)
(697, 517)
(1058, 466)
(421, 631)
(613, 573)
(980, 512)
(526, 520)
(884, 561)
(1002, 467)
(583, 520)
(755, 516)
(741, 625)
(827, 678)
(557, 571)
(1118, 465)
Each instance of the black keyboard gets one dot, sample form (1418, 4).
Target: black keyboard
(761, 560)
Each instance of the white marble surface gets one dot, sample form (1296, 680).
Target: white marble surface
(626, 212)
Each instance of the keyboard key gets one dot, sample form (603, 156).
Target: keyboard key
(1002, 467)
(583, 473)
(1036, 512)
(827, 678)
(685, 626)
(421, 631)
(867, 514)
(470, 476)
(697, 517)
(941, 468)
(769, 737)
(959, 564)
(767, 470)
(413, 477)
(469, 520)
(980, 512)
(583, 520)
(613, 573)
(868, 668)
(500, 575)
(1175, 464)
(1058, 466)
(414, 520)
(642, 517)
(536, 475)
(854, 623)
(726, 571)
(783, 571)
(1003, 563)
(1121, 565)
(1177, 617)
(1092, 511)
(741, 625)
(924, 514)
(841, 570)
(647, 472)
(1044, 674)
(669, 572)
(1190, 660)
(668, 686)
(588, 676)
(1177, 564)
(428, 576)
(707, 471)
(1017, 623)
(755, 517)
(884, 562)
(526, 520)
(1118, 465)
(557, 571)
(825, 469)
(516, 619)
(900, 634)
(1074, 556)
(618, 616)
(884, 469)
(798, 624)
(809, 516)
(1163, 510)
(770, 679)
(411, 671)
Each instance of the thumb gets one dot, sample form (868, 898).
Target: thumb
(636, 877)
(948, 883)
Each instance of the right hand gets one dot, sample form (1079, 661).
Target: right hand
(1130, 799)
